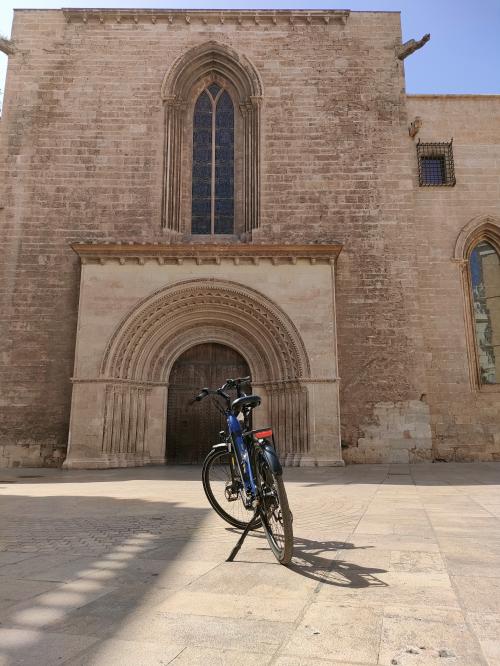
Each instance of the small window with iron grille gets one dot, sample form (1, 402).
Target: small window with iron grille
(435, 164)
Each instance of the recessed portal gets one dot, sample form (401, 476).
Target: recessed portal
(193, 429)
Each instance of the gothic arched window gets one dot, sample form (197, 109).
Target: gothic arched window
(212, 203)
(213, 96)
(484, 274)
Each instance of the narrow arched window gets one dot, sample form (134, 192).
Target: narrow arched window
(484, 271)
(212, 210)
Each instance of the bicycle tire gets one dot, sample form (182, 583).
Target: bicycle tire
(211, 479)
(277, 521)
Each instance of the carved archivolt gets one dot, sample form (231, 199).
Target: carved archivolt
(148, 341)
(211, 61)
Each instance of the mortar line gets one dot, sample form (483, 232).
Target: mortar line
(316, 589)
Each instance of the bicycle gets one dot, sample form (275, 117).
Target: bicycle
(242, 476)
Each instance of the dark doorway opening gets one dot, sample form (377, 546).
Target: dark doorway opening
(193, 429)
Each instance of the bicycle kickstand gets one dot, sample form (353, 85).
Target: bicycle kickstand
(244, 535)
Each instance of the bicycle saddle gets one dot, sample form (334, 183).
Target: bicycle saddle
(250, 401)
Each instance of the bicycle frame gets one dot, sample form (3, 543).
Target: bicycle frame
(255, 472)
(241, 443)
(242, 455)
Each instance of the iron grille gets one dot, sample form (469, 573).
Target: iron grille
(435, 164)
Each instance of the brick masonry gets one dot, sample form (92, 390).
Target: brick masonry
(82, 140)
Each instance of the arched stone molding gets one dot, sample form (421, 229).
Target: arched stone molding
(211, 61)
(480, 228)
(132, 352)
(149, 339)
(211, 56)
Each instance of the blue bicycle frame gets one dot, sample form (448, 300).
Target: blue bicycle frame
(242, 455)
(243, 442)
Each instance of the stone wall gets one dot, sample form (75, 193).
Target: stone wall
(465, 420)
(82, 137)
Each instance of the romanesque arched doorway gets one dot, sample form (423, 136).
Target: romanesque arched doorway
(193, 429)
(119, 418)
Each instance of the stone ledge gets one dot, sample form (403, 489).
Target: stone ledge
(179, 17)
(210, 253)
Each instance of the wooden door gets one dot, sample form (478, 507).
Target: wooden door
(193, 429)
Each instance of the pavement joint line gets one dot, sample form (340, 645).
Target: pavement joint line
(469, 626)
(379, 646)
(314, 592)
(177, 655)
(437, 520)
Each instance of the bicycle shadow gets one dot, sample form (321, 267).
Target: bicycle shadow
(307, 561)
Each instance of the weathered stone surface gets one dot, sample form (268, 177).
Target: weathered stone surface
(82, 142)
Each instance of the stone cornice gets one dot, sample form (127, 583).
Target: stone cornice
(209, 253)
(188, 17)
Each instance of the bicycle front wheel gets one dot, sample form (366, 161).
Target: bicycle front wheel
(223, 487)
(277, 517)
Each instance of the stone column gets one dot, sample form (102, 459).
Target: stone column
(174, 114)
(157, 424)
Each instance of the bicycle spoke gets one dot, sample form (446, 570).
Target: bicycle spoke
(225, 486)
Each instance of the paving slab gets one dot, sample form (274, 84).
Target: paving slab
(337, 631)
(417, 636)
(33, 648)
(128, 567)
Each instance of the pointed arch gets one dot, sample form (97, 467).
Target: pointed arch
(217, 62)
(211, 56)
(477, 250)
(482, 227)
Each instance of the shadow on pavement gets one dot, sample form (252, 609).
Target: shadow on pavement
(308, 562)
(74, 570)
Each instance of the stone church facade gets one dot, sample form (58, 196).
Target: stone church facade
(190, 194)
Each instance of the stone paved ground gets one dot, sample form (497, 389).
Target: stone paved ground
(126, 567)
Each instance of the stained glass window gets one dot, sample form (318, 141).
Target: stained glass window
(213, 163)
(484, 268)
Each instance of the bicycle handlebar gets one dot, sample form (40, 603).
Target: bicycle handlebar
(235, 383)
(230, 384)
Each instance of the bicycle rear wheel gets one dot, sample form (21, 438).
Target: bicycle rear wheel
(277, 518)
(223, 488)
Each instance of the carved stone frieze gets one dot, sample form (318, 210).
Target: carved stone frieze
(210, 253)
(186, 18)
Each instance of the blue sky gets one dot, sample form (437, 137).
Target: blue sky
(463, 55)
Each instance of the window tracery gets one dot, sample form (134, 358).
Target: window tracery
(484, 275)
(212, 190)
(234, 213)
